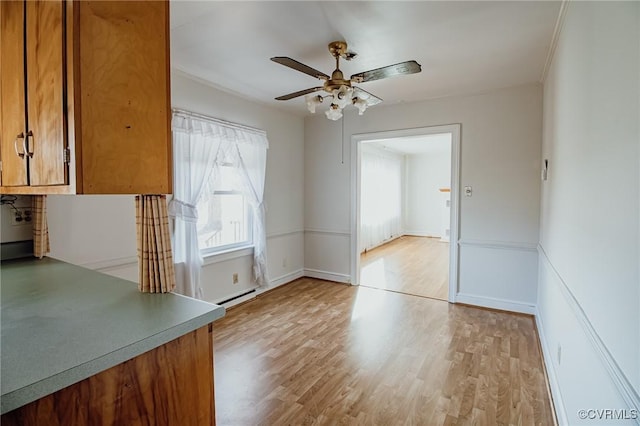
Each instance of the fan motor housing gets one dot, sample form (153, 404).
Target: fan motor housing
(337, 80)
(337, 49)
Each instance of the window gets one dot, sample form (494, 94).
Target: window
(219, 176)
(224, 215)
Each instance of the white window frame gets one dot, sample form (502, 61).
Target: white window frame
(212, 251)
(233, 247)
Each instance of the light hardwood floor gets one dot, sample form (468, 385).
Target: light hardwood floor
(316, 352)
(412, 265)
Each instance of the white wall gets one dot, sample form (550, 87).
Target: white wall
(426, 174)
(95, 231)
(501, 136)
(99, 231)
(10, 232)
(589, 279)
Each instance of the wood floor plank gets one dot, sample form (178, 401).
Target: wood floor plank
(412, 265)
(315, 352)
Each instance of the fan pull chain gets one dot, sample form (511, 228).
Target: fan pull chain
(343, 139)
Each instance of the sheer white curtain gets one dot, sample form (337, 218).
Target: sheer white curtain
(381, 197)
(200, 148)
(252, 165)
(195, 148)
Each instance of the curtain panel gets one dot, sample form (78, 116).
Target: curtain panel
(200, 148)
(381, 197)
(40, 227)
(156, 271)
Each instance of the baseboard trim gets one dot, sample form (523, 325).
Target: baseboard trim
(328, 276)
(284, 279)
(547, 355)
(380, 244)
(420, 234)
(618, 377)
(230, 300)
(494, 303)
(238, 298)
(253, 293)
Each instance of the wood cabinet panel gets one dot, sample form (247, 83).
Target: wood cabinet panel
(45, 88)
(12, 101)
(170, 385)
(124, 96)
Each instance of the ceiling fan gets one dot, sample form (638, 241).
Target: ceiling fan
(341, 91)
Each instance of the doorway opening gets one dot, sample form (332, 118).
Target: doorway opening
(405, 211)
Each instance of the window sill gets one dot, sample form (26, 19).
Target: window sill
(224, 255)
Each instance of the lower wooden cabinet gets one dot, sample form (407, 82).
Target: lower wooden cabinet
(170, 385)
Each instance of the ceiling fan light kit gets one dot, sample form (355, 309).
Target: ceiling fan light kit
(339, 90)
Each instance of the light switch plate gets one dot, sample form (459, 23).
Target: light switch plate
(468, 191)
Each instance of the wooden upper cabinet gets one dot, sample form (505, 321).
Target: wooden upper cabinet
(125, 96)
(88, 84)
(46, 138)
(12, 97)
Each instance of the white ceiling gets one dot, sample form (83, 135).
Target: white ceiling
(413, 145)
(463, 47)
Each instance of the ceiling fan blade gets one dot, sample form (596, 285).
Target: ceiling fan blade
(296, 94)
(366, 96)
(298, 66)
(408, 67)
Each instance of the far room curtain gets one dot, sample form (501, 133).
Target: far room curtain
(40, 226)
(201, 146)
(156, 271)
(381, 197)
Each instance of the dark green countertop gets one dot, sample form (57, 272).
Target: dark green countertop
(62, 323)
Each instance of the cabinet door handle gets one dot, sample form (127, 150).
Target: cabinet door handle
(15, 145)
(26, 144)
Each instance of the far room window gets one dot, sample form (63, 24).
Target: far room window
(224, 214)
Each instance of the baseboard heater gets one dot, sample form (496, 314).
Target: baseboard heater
(231, 299)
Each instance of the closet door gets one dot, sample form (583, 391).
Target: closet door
(46, 139)
(12, 101)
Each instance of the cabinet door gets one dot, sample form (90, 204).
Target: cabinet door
(124, 60)
(45, 87)
(12, 107)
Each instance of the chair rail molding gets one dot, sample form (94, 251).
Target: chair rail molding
(328, 232)
(500, 245)
(620, 380)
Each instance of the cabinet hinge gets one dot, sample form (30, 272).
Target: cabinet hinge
(66, 155)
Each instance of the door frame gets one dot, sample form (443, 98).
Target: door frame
(356, 152)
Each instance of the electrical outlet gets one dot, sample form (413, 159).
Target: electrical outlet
(235, 278)
(21, 216)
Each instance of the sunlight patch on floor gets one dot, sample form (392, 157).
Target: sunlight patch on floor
(374, 274)
(367, 304)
